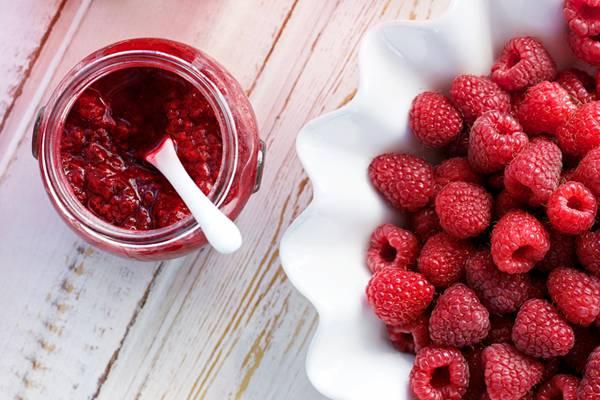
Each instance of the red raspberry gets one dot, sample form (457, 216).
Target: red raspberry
(459, 146)
(458, 319)
(575, 294)
(442, 259)
(539, 330)
(587, 247)
(523, 62)
(404, 180)
(454, 170)
(589, 388)
(474, 95)
(500, 329)
(583, 16)
(476, 379)
(505, 203)
(500, 292)
(562, 387)
(509, 375)
(434, 120)
(495, 140)
(464, 209)
(579, 84)
(581, 133)
(518, 242)
(586, 48)
(534, 173)
(586, 340)
(399, 297)
(561, 253)
(588, 171)
(439, 373)
(391, 246)
(544, 108)
(425, 223)
(572, 208)
(412, 337)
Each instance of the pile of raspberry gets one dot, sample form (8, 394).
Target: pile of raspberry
(494, 283)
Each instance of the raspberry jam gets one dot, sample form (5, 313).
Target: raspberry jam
(116, 104)
(110, 128)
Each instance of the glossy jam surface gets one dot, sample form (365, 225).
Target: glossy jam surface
(111, 126)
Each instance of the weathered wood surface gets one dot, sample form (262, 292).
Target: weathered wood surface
(80, 324)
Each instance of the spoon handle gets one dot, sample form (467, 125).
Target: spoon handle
(219, 230)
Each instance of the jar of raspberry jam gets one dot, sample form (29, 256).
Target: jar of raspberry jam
(91, 137)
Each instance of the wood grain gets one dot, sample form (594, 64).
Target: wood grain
(84, 324)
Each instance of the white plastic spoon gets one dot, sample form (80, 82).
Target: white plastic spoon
(219, 230)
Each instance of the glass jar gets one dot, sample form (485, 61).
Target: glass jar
(242, 159)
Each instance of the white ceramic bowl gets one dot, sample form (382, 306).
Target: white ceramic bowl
(323, 251)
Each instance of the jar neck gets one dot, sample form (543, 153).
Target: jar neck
(55, 114)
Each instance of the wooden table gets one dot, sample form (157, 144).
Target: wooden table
(81, 324)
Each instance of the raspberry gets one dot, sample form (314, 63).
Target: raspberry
(500, 292)
(399, 297)
(454, 170)
(579, 84)
(500, 330)
(575, 294)
(562, 387)
(412, 337)
(458, 319)
(442, 259)
(434, 120)
(587, 247)
(523, 62)
(425, 223)
(476, 381)
(505, 203)
(534, 173)
(581, 133)
(495, 140)
(439, 373)
(586, 48)
(544, 108)
(583, 16)
(464, 209)
(404, 180)
(391, 246)
(518, 242)
(561, 253)
(509, 375)
(539, 331)
(588, 171)
(474, 95)
(589, 388)
(572, 208)
(586, 340)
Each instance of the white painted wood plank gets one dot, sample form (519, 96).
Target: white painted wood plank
(23, 29)
(234, 328)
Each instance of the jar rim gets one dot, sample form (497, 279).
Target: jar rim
(84, 74)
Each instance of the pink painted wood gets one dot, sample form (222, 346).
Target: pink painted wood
(81, 324)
